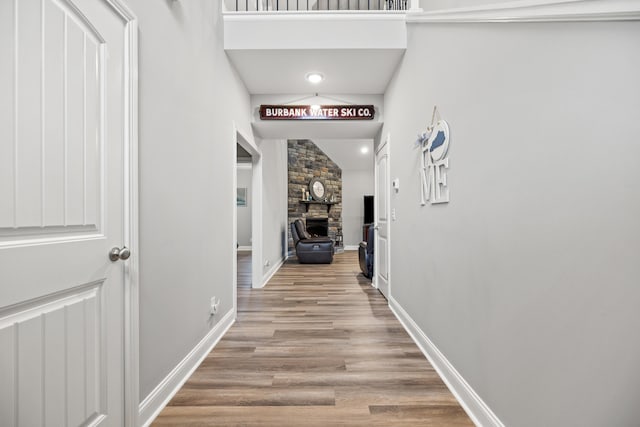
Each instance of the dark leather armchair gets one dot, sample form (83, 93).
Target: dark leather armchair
(365, 254)
(310, 250)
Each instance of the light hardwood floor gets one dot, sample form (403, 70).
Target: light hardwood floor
(318, 346)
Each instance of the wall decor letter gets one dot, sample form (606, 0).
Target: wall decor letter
(434, 162)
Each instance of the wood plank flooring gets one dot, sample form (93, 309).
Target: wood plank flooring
(318, 346)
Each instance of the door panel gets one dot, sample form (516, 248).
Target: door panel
(55, 159)
(54, 377)
(381, 247)
(54, 119)
(55, 345)
(62, 159)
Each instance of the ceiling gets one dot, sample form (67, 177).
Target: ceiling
(356, 51)
(282, 71)
(347, 153)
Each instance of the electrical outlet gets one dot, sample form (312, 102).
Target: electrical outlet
(214, 305)
(267, 263)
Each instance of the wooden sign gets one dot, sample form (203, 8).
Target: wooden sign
(317, 112)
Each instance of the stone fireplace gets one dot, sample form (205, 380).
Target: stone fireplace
(305, 162)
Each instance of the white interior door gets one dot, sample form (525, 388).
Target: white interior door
(62, 209)
(381, 246)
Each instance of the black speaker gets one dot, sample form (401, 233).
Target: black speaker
(368, 209)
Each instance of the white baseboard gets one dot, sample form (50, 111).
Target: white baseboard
(351, 247)
(273, 270)
(169, 386)
(244, 248)
(474, 406)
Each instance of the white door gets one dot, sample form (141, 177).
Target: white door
(62, 209)
(381, 245)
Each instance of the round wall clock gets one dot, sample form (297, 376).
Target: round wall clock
(316, 188)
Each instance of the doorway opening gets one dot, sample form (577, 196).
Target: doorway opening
(247, 200)
(346, 168)
(244, 204)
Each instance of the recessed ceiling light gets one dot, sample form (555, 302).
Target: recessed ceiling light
(314, 78)
(364, 149)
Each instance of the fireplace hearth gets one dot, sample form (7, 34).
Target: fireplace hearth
(318, 226)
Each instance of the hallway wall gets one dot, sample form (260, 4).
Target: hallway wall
(274, 199)
(189, 96)
(527, 281)
(244, 212)
(356, 184)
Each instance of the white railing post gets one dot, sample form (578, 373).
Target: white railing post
(265, 5)
(415, 5)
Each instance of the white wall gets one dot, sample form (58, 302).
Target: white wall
(429, 5)
(274, 202)
(355, 184)
(527, 281)
(189, 96)
(244, 212)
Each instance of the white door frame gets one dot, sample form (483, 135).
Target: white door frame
(385, 142)
(131, 380)
(131, 219)
(246, 141)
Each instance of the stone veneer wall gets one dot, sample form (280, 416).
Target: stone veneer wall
(307, 161)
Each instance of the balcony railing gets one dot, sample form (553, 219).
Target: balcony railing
(316, 5)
